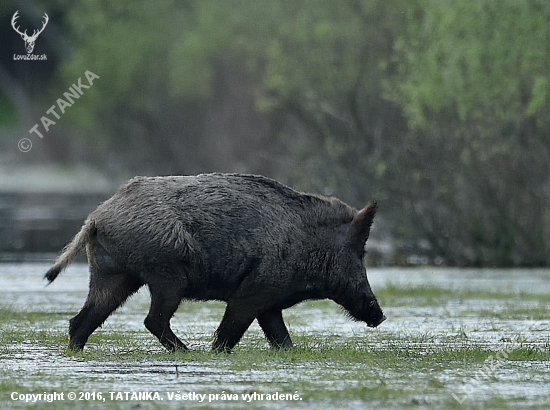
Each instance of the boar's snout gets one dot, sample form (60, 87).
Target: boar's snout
(376, 324)
(374, 313)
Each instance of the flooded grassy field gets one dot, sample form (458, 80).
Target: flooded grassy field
(454, 338)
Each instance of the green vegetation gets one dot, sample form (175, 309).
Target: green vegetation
(8, 116)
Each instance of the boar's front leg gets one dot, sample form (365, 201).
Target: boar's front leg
(164, 303)
(274, 329)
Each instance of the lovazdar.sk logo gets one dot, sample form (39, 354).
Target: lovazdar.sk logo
(29, 40)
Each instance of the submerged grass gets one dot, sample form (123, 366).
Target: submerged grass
(386, 368)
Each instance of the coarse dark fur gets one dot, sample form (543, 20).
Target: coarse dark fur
(243, 239)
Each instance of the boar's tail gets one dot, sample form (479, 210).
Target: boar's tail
(70, 251)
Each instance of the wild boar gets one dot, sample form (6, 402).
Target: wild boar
(247, 240)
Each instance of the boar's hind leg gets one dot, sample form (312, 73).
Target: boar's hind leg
(236, 319)
(164, 303)
(274, 329)
(107, 293)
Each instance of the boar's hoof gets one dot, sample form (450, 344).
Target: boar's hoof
(75, 347)
(286, 343)
(177, 349)
(221, 349)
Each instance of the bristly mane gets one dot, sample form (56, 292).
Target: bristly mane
(325, 207)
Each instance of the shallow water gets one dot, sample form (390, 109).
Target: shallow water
(411, 326)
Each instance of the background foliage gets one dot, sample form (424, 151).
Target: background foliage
(438, 108)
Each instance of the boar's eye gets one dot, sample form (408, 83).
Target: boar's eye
(372, 303)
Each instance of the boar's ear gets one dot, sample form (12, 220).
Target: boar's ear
(359, 229)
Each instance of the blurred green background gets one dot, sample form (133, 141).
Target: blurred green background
(437, 108)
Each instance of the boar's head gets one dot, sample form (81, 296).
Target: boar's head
(354, 291)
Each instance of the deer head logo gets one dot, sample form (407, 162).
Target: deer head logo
(29, 40)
